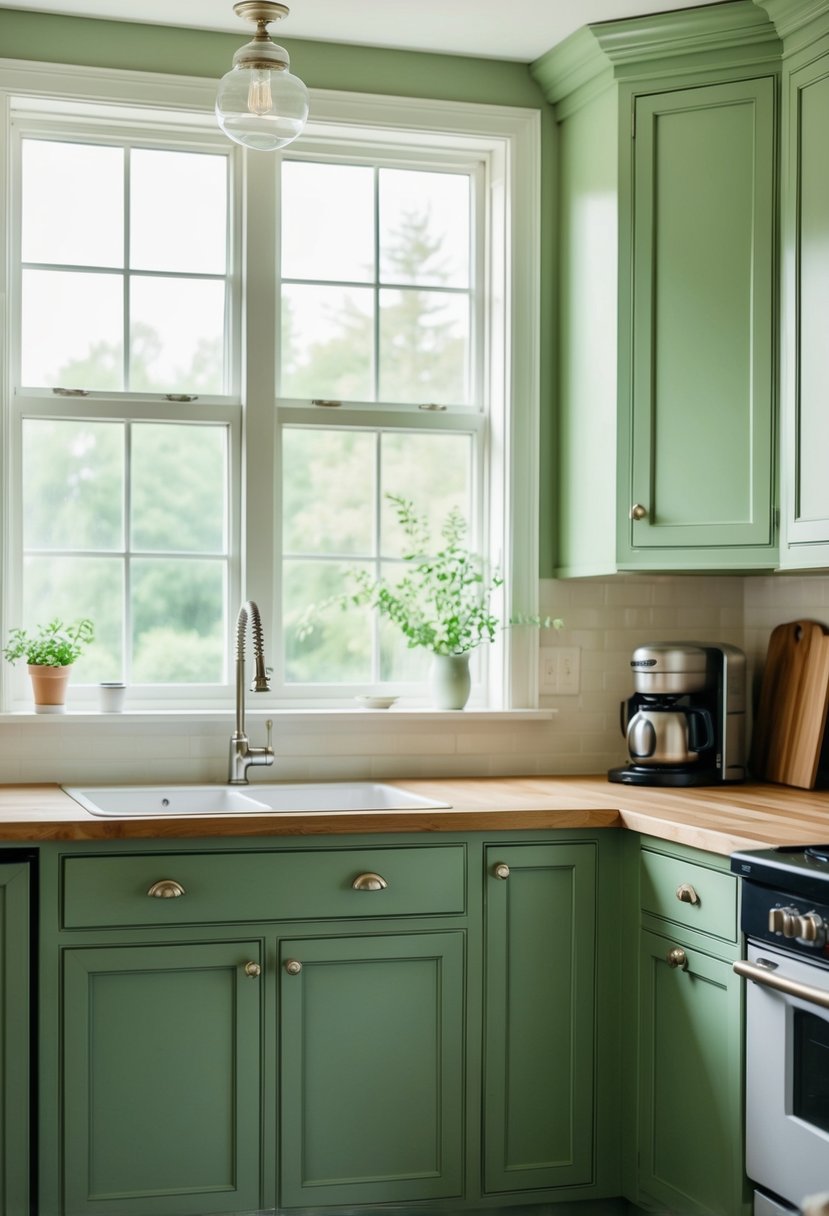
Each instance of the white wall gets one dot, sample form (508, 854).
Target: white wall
(606, 618)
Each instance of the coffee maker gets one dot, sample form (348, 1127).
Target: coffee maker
(685, 723)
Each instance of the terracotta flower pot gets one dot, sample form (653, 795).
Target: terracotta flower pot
(49, 688)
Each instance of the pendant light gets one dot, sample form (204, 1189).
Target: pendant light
(260, 104)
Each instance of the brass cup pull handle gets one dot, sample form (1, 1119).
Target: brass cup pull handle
(637, 511)
(293, 966)
(166, 888)
(501, 870)
(686, 894)
(677, 958)
(253, 970)
(369, 882)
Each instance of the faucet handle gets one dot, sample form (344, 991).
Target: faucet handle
(269, 740)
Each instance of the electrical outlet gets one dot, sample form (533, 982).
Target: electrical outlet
(559, 670)
(569, 669)
(548, 671)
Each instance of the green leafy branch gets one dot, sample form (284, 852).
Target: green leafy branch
(55, 645)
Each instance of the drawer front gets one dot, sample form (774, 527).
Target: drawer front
(106, 891)
(690, 895)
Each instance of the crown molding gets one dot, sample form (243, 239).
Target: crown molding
(736, 27)
(792, 17)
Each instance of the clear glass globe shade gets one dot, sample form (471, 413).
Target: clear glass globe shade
(261, 109)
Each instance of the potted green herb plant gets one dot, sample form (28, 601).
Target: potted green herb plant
(442, 602)
(50, 653)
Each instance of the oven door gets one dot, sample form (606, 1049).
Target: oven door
(787, 1073)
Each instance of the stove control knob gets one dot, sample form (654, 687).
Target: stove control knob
(791, 922)
(776, 920)
(810, 928)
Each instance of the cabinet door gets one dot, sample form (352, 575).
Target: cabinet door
(806, 308)
(699, 464)
(540, 1017)
(14, 1056)
(690, 1085)
(161, 1079)
(372, 1048)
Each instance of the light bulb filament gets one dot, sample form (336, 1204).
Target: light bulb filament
(260, 98)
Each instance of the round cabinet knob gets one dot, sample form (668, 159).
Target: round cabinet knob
(501, 870)
(677, 958)
(686, 894)
(637, 511)
(293, 966)
(253, 970)
(166, 888)
(369, 882)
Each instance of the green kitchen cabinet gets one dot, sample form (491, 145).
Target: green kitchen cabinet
(805, 291)
(539, 1016)
(14, 1019)
(689, 1059)
(696, 438)
(666, 286)
(372, 1047)
(161, 1078)
(690, 1154)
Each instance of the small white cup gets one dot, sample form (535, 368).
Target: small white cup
(111, 697)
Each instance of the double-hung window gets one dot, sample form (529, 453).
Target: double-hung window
(222, 367)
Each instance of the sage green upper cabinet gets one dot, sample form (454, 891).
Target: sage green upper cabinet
(805, 364)
(696, 475)
(14, 1027)
(666, 213)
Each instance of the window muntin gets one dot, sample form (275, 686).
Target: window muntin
(377, 290)
(125, 266)
(128, 523)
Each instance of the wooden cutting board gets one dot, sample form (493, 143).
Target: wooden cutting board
(791, 714)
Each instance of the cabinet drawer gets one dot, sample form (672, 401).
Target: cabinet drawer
(290, 885)
(689, 894)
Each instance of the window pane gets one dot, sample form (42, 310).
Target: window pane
(178, 219)
(327, 342)
(327, 222)
(424, 227)
(179, 488)
(424, 347)
(74, 587)
(72, 330)
(178, 621)
(73, 484)
(328, 491)
(432, 471)
(338, 651)
(73, 204)
(177, 336)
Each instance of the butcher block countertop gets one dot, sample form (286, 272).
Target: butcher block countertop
(717, 819)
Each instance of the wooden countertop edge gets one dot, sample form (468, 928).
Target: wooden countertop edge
(715, 819)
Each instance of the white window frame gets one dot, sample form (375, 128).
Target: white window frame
(509, 137)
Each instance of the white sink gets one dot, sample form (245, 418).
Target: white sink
(165, 800)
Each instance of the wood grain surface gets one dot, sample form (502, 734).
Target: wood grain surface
(791, 712)
(717, 819)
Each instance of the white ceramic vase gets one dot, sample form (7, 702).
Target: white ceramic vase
(450, 680)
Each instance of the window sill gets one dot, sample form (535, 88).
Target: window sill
(319, 717)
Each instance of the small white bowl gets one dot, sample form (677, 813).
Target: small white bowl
(376, 702)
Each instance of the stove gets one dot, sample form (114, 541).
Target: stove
(785, 918)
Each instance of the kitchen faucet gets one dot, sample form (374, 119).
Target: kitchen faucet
(242, 755)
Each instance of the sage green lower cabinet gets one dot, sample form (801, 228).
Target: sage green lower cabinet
(14, 1020)
(372, 1048)
(540, 925)
(690, 1155)
(161, 1097)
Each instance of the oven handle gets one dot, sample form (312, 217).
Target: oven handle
(762, 975)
